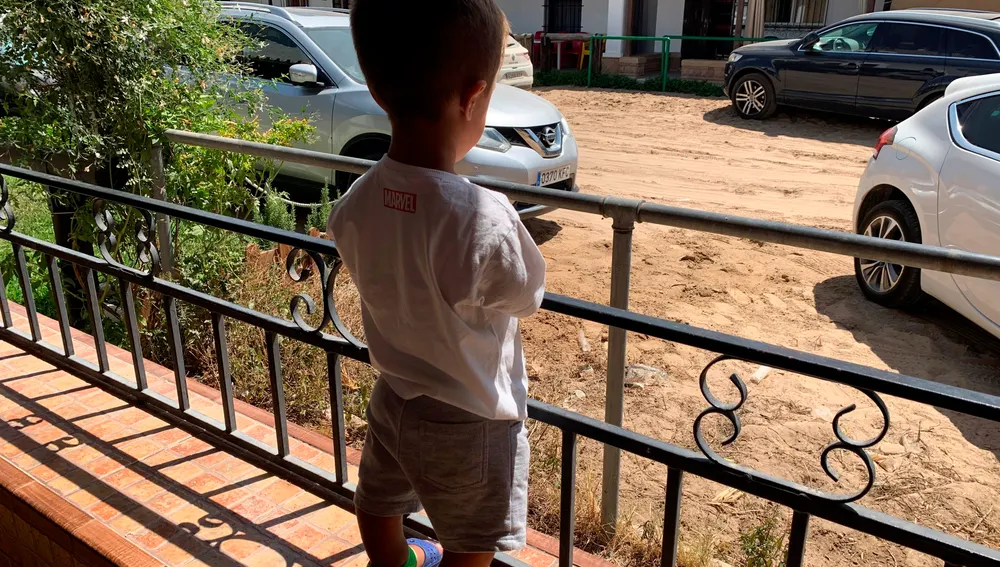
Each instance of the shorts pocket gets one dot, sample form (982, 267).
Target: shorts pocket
(453, 455)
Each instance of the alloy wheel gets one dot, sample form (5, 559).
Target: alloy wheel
(882, 276)
(751, 97)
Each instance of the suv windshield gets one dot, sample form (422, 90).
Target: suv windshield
(338, 46)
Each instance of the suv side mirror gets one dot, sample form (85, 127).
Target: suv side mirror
(303, 74)
(808, 41)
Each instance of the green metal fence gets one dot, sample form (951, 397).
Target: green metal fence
(664, 51)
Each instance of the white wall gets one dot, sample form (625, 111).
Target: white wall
(837, 10)
(670, 21)
(525, 16)
(528, 16)
(595, 16)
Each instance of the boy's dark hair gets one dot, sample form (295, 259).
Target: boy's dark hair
(417, 55)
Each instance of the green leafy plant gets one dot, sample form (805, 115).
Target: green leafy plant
(32, 219)
(764, 545)
(319, 215)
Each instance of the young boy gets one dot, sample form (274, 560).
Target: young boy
(444, 269)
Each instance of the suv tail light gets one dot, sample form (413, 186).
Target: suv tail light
(885, 139)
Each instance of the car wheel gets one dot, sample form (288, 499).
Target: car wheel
(374, 152)
(885, 283)
(753, 97)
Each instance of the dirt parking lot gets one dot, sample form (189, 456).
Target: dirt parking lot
(934, 468)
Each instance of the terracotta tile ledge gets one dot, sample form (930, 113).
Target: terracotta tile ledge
(109, 483)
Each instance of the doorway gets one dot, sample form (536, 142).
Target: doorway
(642, 21)
(707, 18)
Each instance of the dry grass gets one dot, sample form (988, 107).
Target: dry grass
(632, 544)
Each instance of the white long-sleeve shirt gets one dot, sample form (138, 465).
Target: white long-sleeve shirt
(444, 269)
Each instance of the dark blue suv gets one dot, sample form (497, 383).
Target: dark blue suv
(884, 64)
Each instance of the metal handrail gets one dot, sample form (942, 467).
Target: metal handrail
(804, 501)
(823, 240)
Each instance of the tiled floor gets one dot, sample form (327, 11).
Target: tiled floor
(174, 496)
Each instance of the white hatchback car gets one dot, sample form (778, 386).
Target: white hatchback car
(517, 69)
(935, 179)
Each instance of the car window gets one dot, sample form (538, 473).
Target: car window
(275, 54)
(908, 39)
(969, 45)
(339, 47)
(979, 122)
(850, 38)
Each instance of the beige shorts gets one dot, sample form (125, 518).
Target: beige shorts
(469, 474)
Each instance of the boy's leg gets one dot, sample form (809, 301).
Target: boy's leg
(466, 559)
(383, 539)
(385, 542)
(384, 493)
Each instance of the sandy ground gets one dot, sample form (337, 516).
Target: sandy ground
(934, 467)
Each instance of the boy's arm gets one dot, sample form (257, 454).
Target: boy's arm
(513, 279)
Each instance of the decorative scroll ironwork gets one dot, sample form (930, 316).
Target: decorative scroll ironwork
(6, 210)
(844, 441)
(107, 240)
(328, 281)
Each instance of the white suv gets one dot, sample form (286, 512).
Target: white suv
(307, 66)
(935, 179)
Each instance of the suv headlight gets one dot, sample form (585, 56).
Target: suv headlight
(492, 139)
(734, 57)
(565, 127)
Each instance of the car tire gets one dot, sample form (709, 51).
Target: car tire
(890, 285)
(753, 97)
(373, 151)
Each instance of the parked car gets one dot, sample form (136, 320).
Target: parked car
(306, 66)
(517, 69)
(884, 64)
(935, 179)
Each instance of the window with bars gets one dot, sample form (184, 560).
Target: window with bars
(564, 16)
(795, 11)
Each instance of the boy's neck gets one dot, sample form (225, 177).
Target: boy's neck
(423, 144)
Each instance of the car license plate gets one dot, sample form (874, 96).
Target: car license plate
(554, 175)
(516, 74)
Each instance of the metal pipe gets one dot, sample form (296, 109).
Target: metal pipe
(664, 58)
(159, 192)
(836, 242)
(623, 213)
(843, 243)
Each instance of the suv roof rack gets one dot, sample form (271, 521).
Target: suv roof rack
(940, 9)
(987, 15)
(328, 9)
(251, 7)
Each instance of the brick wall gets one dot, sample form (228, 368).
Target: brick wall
(40, 529)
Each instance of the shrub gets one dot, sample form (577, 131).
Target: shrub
(764, 545)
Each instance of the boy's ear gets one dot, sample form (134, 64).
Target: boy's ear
(471, 98)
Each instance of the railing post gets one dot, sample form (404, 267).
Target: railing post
(797, 539)
(590, 62)
(567, 499)
(623, 213)
(672, 517)
(159, 192)
(664, 62)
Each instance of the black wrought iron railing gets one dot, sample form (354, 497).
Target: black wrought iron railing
(332, 336)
